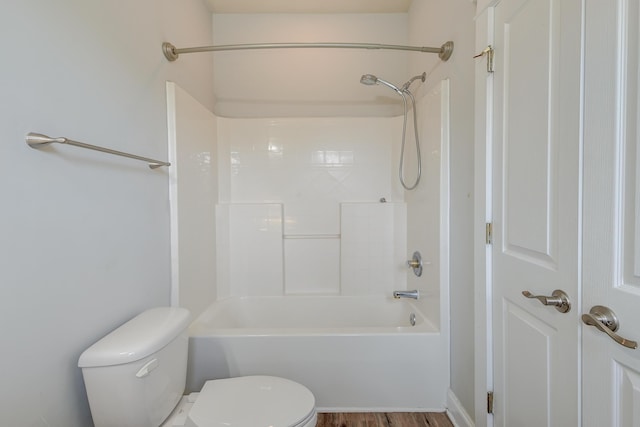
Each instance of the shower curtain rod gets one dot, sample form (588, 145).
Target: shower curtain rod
(172, 53)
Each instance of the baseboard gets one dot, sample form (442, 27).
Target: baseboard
(456, 412)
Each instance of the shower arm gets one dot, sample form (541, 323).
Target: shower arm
(421, 77)
(172, 53)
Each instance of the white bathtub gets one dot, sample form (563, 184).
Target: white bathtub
(354, 353)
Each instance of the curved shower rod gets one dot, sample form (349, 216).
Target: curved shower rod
(172, 53)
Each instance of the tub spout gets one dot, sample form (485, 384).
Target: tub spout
(415, 294)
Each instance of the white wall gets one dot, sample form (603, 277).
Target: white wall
(85, 236)
(436, 22)
(307, 82)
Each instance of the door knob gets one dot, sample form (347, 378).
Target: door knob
(606, 320)
(558, 299)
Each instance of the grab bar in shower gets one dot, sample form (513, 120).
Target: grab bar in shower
(37, 140)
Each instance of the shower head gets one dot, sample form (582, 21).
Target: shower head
(370, 79)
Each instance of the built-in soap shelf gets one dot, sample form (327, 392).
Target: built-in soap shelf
(360, 256)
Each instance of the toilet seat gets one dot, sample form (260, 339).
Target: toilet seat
(253, 401)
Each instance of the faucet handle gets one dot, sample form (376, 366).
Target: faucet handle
(416, 263)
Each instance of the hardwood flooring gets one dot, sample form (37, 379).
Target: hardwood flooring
(384, 419)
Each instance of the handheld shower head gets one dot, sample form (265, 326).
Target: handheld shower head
(370, 79)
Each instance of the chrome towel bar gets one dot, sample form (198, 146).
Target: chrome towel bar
(37, 140)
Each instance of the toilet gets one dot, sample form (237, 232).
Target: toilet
(135, 377)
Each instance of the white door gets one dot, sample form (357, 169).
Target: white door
(611, 222)
(536, 212)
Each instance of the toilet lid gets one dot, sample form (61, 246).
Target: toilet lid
(252, 401)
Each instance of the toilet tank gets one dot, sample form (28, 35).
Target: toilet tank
(136, 374)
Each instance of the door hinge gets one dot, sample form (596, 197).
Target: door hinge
(488, 233)
(490, 402)
(488, 52)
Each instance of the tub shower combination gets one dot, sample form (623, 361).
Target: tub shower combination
(353, 353)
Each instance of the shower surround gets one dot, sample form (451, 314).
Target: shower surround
(312, 208)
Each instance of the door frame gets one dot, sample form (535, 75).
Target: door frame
(483, 286)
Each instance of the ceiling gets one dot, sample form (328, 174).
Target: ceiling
(309, 6)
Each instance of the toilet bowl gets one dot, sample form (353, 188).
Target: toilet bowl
(247, 402)
(135, 376)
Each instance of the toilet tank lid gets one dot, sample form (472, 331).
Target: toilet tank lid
(141, 336)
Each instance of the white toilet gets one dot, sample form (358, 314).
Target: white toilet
(135, 377)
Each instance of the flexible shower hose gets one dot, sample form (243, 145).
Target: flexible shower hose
(404, 133)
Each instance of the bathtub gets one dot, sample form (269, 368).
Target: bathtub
(353, 353)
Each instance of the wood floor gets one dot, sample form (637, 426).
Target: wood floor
(386, 419)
